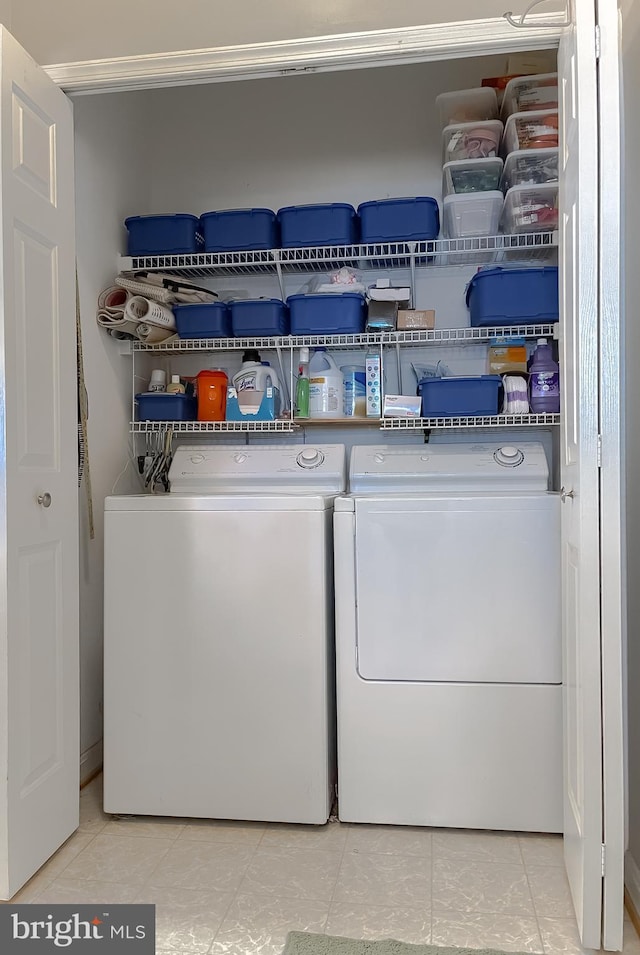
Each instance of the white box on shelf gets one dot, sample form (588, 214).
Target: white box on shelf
(401, 406)
(373, 385)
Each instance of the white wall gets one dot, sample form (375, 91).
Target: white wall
(111, 181)
(631, 241)
(70, 30)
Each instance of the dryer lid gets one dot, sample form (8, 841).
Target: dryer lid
(444, 467)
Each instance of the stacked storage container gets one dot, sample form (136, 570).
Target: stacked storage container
(530, 150)
(472, 168)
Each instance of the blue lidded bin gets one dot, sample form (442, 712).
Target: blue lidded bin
(460, 397)
(340, 314)
(163, 235)
(399, 220)
(333, 223)
(259, 316)
(202, 320)
(516, 296)
(159, 406)
(237, 230)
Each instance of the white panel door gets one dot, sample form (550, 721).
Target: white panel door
(39, 752)
(612, 496)
(579, 469)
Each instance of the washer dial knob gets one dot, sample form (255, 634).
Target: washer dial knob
(508, 457)
(310, 458)
(240, 457)
(378, 458)
(197, 458)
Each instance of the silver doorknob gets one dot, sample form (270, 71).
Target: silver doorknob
(565, 494)
(44, 499)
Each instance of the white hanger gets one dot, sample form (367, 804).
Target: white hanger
(522, 25)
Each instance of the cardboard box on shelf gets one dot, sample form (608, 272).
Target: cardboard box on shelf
(410, 319)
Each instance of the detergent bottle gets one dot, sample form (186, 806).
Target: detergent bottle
(544, 380)
(256, 375)
(325, 386)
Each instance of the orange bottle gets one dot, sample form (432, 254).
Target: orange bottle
(212, 394)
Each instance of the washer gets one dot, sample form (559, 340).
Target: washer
(449, 666)
(219, 642)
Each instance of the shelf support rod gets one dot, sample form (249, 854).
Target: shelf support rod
(278, 264)
(413, 274)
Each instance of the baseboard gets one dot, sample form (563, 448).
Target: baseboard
(90, 763)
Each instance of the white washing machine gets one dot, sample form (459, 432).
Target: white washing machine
(219, 640)
(449, 669)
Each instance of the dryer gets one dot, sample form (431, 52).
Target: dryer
(448, 634)
(219, 641)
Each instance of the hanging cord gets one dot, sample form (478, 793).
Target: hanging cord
(84, 470)
(521, 24)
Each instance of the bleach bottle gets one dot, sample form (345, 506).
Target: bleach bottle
(325, 386)
(256, 375)
(544, 381)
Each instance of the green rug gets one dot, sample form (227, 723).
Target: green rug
(306, 943)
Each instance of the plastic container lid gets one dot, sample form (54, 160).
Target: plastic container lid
(167, 215)
(256, 301)
(467, 106)
(535, 130)
(471, 175)
(527, 93)
(530, 167)
(219, 212)
(318, 205)
(479, 140)
(531, 208)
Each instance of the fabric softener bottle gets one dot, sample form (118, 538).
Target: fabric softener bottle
(544, 380)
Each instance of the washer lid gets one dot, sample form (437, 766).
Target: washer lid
(445, 467)
(247, 469)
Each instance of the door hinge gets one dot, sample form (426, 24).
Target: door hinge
(597, 42)
(603, 857)
(599, 451)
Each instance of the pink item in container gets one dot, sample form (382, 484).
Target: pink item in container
(472, 140)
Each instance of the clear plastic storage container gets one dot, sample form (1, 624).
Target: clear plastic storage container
(471, 140)
(467, 106)
(471, 214)
(530, 93)
(535, 130)
(531, 209)
(471, 175)
(530, 167)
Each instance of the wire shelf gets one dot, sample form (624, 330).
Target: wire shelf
(480, 421)
(438, 336)
(440, 252)
(204, 427)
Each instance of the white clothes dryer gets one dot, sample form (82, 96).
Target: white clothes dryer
(219, 638)
(449, 670)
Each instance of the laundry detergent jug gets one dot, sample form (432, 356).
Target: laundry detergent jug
(256, 375)
(325, 386)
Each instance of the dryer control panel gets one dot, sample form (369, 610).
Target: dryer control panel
(272, 469)
(446, 467)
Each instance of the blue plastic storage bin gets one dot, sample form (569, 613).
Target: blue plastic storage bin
(398, 220)
(459, 397)
(203, 320)
(157, 406)
(515, 296)
(340, 314)
(234, 230)
(163, 235)
(329, 224)
(259, 316)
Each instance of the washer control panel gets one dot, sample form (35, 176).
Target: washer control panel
(294, 468)
(508, 456)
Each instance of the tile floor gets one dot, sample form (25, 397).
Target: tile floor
(237, 889)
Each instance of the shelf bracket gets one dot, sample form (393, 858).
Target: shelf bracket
(278, 265)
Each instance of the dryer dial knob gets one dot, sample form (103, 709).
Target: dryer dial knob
(197, 458)
(240, 458)
(310, 458)
(508, 457)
